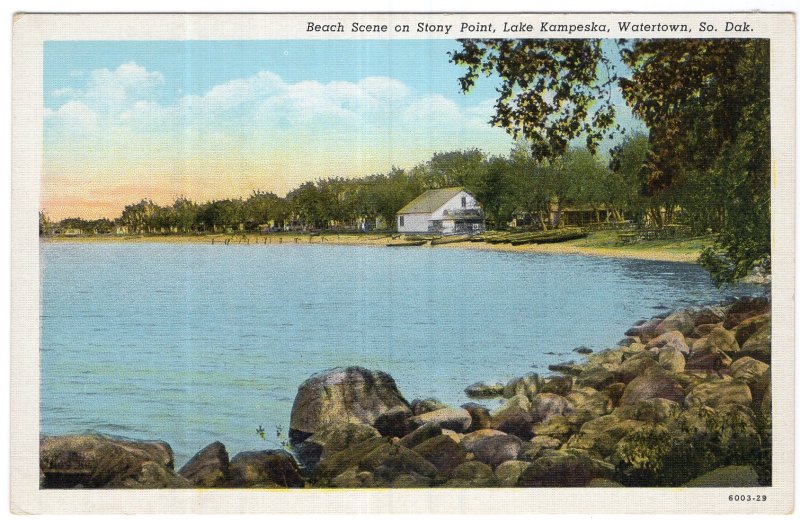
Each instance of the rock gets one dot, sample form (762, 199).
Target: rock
(602, 434)
(330, 439)
(546, 405)
(631, 350)
(718, 340)
(750, 326)
(595, 376)
(635, 366)
(583, 350)
(606, 358)
(469, 440)
(703, 330)
(342, 395)
(680, 320)
(588, 403)
(567, 367)
(749, 370)
(532, 449)
(341, 461)
(153, 475)
(509, 471)
(456, 419)
(515, 423)
(388, 462)
(95, 461)
(670, 358)
(759, 344)
(412, 480)
(393, 422)
(484, 390)
(615, 392)
(651, 384)
(713, 361)
(653, 410)
(472, 474)
(569, 468)
(727, 477)
(766, 402)
(556, 426)
(355, 478)
(560, 385)
(645, 331)
(442, 452)
(421, 406)
(706, 315)
(673, 339)
(496, 449)
(421, 434)
(526, 385)
(208, 468)
(745, 308)
(717, 393)
(481, 418)
(268, 468)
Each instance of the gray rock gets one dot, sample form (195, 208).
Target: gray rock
(546, 405)
(342, 395)
(759, 344)
(596, 376)
(330, 439)
(560, 385)
(649, 385)
(718, 393)
(472, 474)
(509, 471)
(470, 439)
(635, 366)
(568, 468)
(456, 419)
(421, 406)
(680, 320)
(421, 434)
(727, 477)
(645, 331)
(526, 385)
(443, 452)
(394, 422)
(496, 449)
(672, 339)
(670, 358)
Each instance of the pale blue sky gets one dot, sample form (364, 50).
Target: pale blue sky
(213, 119)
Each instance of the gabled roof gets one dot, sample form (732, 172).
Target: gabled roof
(430, 201)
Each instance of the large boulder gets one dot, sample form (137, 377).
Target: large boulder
(533, 448)
(564, 468)
(95, 461)
(342, 395)
(749, 370)
(672, 339)
(443, 452)
(514, 417)
(653, 383)
(394, 422)
(556, 426)
(330, 439)
(706, 315)
(679, 320)
(431, 404)
(759, 344)
(421, 434)
(745, 308)
(496, 449)
(456, 419)
(560, 385)
(390, 462)
(470, 439)
(509, 471)
(588, 403)
(339, 462)
(720, 392)
(653, 410)
(268, 468)
(208, 468)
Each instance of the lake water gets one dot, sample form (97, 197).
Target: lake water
(196, 343)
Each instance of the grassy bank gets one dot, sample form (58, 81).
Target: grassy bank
(601, 243)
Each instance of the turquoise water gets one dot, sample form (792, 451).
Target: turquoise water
(195, 343)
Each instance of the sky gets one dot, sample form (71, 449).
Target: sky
(126, 120)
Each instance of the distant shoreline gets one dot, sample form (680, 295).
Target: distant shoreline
(597, 244)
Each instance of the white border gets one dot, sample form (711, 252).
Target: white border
(30, 31)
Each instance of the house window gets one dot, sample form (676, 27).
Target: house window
(463, 202)
(401, 221)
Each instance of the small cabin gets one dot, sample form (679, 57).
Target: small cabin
(446, 211)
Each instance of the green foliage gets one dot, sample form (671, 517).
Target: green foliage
(697, 442)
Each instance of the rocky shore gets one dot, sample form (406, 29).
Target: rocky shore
(683, 400)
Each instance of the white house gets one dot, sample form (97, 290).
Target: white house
(447, 211)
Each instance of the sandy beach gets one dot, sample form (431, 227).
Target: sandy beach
(597, 244)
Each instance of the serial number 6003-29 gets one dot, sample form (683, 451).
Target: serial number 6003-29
(747, 498)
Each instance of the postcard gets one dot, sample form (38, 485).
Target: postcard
(403, 263)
